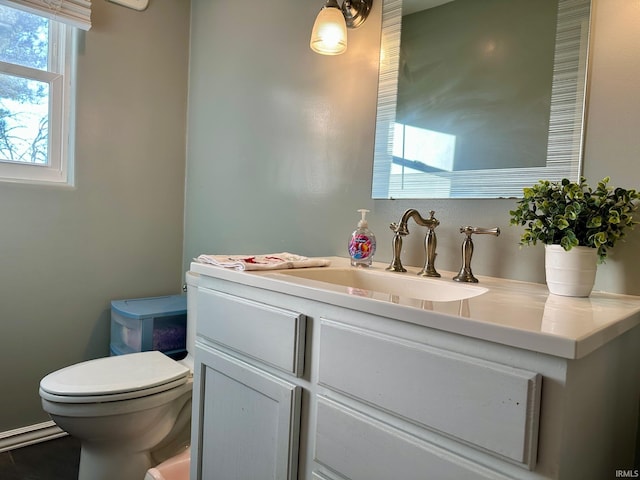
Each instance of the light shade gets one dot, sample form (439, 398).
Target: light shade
(329, 34)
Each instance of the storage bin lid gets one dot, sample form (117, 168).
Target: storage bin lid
(151, 307)
(116, 375)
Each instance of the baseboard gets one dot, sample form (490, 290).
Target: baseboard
(21, 437)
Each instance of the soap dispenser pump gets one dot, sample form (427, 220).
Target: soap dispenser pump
(362, 244)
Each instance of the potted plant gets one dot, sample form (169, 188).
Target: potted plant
(576, 224)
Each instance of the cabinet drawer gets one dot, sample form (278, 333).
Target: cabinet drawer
(273, 335)
(359, 447)
(482, 403)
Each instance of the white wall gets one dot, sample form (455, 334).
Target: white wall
(280, 143)
(65, 253)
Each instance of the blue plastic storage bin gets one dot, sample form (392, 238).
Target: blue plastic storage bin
(155, 323)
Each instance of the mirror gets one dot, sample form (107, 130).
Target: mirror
(479, 98)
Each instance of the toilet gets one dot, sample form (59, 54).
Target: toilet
(130, 412)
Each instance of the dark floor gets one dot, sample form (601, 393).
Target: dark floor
(52, 460)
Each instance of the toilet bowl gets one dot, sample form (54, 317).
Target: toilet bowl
(129, 412)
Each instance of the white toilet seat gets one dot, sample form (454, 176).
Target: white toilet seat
(111, 379)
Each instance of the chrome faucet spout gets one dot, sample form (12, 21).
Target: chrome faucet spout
(413, 213)
(401, 229)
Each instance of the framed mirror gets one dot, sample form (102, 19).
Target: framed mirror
(479, 98)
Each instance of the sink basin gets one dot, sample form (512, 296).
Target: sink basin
(381, 284)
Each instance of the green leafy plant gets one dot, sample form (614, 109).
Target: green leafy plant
(573, 214)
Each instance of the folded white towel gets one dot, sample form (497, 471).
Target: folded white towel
(272, 261)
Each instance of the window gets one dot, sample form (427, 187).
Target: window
(36, 88)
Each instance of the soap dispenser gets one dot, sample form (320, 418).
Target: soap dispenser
(362, 244)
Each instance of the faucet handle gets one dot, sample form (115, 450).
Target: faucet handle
(465, 274)
(433, 221)
(480, 230)
(399, 229)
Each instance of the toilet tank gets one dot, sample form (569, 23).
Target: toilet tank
(154, 323)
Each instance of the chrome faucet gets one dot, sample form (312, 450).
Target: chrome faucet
(430, 242)
(465, 274)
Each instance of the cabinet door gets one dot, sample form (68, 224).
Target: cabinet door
(246, 421)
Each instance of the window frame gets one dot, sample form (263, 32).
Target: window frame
(60, 76)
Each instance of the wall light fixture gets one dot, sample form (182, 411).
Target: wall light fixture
(329, 34)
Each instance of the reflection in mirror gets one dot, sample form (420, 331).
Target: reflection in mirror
(479, 99)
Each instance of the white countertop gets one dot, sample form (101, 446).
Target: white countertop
(519, 314)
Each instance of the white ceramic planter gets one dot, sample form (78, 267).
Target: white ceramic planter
(572, 273)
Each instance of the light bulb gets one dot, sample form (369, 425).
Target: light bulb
(329, 34)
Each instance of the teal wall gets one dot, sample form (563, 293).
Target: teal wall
(66, 252)
(280, 143)
(279, 158)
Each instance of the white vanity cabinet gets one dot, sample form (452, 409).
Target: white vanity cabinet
(292, 382)
(246, 419)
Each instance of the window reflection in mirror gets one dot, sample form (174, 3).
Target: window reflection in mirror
(478, 99)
